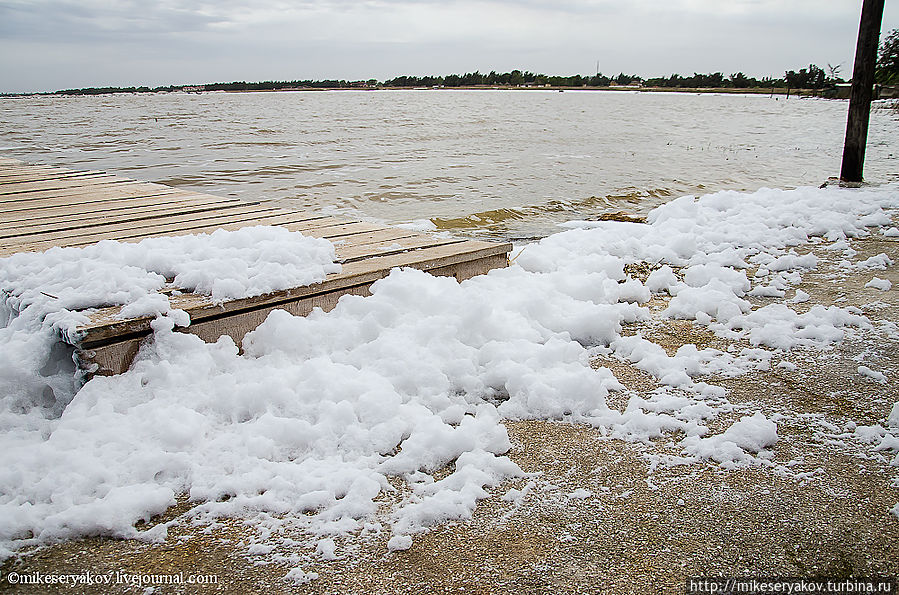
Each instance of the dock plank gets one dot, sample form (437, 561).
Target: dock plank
(43, 177)
(158, 224)
(95, 191)
(26, 170)
(102, 221)
(56, 184)
(111, 211)
(371, 250)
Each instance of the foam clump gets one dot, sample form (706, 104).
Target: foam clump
(733, 447)
(881, 284)
(224, 265)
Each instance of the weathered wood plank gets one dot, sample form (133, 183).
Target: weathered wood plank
(93, 191)
(342, 230)
(382, 242)
(43, 176)
(26, 187)
(22, 168)
(108, 230)
(381, 236)
(27, 171)
(60, 206)
(123, 199)
(106, 210)
(153, 226)
(101, 222)
(398, 245)
(323, 227)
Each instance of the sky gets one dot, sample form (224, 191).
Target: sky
(48, 45)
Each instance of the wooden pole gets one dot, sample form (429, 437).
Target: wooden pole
(862, 90)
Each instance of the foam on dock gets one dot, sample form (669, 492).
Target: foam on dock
(44, 207)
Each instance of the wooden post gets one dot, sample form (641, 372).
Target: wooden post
(862, 89)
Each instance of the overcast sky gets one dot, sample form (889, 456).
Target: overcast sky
(48, 45)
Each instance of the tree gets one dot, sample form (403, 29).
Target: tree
(887, 70)
(811, 78)
(739, 80)
(833, 74)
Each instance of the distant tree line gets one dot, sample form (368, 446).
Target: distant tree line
(106, 90)
(515, 78)
(712, 80)
(813, 77)
(810, 78)
(280, 85)
(233, 86)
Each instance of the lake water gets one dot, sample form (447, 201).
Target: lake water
(489, 164)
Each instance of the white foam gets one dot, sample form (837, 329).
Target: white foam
(310, 424)
(878, 283)
(752, 434)
(873, 374)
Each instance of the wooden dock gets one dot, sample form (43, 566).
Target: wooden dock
(45, 206)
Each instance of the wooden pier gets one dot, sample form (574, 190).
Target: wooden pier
(42, 207)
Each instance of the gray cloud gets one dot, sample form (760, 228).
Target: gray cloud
(62, 20)
(52, 44)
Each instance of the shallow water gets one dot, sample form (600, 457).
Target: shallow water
(492, 164)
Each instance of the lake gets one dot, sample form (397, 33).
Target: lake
(508, 164)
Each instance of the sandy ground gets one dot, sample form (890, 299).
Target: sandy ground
(599, 516)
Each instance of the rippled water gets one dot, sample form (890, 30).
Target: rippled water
(507, 164)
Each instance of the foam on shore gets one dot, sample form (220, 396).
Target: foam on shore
(310, 424)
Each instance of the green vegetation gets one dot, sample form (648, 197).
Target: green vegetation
(516, 78)
(104, 90)
(887, 71)
(234, 86)
(714, 80)
(812, 77)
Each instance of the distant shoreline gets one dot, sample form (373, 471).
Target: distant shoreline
(688, 90)
(619, 88)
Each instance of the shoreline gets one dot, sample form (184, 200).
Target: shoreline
(688, 90)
